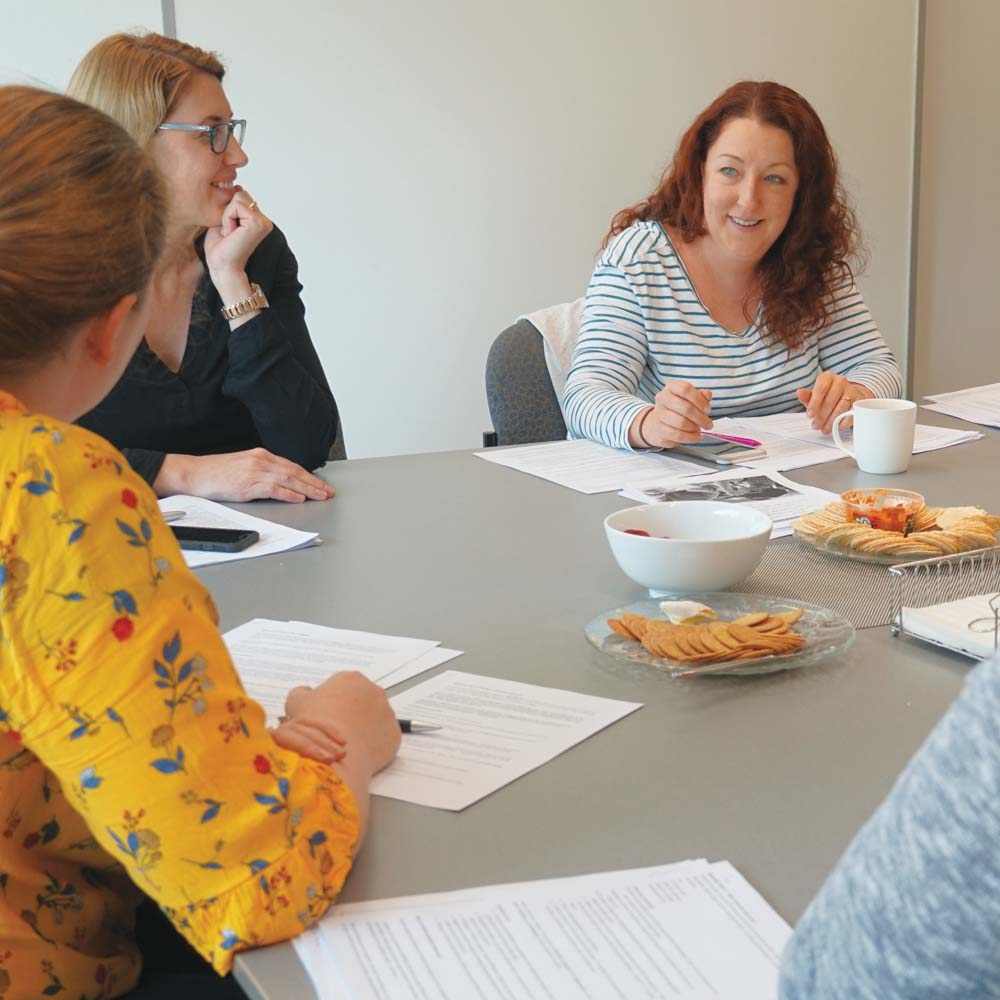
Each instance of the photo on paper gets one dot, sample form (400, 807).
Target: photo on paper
(743, 489)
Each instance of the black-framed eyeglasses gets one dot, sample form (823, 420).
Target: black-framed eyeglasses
(218, 135)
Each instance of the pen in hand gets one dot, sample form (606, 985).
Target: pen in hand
(411, 726)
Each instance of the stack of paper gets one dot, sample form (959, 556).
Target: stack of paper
(272, 657)
(772, 494)
(588, 467)
(967, 626)
(980, 405)
(201, 513)
(792, 443)
(689, 931)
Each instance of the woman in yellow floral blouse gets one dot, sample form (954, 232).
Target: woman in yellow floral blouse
(131, 761)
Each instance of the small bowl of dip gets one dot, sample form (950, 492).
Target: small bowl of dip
(883, 508)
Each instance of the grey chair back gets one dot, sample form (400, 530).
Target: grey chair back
(523, 404)
(338, 450)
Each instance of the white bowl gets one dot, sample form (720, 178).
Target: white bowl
(708, 545)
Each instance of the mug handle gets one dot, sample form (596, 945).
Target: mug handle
(836, 432)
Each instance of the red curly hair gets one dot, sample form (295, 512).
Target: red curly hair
(812, 255)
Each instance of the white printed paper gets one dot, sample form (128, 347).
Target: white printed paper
(588, 467)
(792, 443)
(201, 513)
(979, 405)
(272, 657)
(492, 732)
(690, 931)
(784, 452)
(768, 492)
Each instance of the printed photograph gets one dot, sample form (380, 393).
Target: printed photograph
(743, 490)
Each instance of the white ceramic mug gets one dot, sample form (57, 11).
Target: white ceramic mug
(883, 434)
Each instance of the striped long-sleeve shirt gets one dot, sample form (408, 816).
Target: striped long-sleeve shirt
(644, 325)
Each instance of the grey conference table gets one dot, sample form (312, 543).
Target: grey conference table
(773, 773)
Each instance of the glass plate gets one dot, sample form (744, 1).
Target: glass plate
(824, 630)
(821, 545)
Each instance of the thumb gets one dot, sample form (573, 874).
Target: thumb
(804, 395)
(296, 701)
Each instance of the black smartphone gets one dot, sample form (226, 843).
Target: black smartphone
(215, 539)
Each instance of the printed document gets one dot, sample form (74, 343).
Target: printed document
(980, 405)
(690, 931)
(770, 493)
(272, 657)
(792, 443)
(798, 426)
(588, 467)
(201, 513)
(492, 732)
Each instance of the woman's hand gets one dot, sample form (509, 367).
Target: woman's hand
(356, 708)
(239, 476)
(678, 416)
(832, 395)
(314, 738)
(228, 248)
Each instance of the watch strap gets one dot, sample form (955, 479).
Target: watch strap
(254, 301)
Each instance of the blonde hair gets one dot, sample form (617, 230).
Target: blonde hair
(82, 212)
(137, 79)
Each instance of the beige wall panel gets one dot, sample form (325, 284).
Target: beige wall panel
(957, 332)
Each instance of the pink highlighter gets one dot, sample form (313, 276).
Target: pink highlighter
(746, 442)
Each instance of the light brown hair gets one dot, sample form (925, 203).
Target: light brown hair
(137, 79)
(82, 212)
(821, 240)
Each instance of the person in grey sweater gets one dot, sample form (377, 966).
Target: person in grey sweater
(912, 909)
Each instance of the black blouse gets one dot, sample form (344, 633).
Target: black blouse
(261, 385)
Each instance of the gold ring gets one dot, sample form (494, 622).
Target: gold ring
(252, 206)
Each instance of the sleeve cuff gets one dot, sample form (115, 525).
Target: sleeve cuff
(144, 462)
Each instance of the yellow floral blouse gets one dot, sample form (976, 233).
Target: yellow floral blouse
(131, 760)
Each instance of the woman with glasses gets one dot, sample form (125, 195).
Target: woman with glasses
(225, 397)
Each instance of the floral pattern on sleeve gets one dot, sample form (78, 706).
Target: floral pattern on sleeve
(130, 756)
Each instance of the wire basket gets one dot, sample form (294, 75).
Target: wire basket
(943, 579)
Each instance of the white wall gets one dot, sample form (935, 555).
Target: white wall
(442, 167)
(41, 41)
(957, 331)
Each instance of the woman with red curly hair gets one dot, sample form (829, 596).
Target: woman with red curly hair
(729, 290)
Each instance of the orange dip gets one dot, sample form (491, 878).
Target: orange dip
(886, 509)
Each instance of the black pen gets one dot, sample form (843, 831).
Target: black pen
(410, 726)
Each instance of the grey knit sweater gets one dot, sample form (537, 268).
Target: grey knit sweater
(912, 909)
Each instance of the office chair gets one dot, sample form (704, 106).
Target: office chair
(338, 450)
(522, 402)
